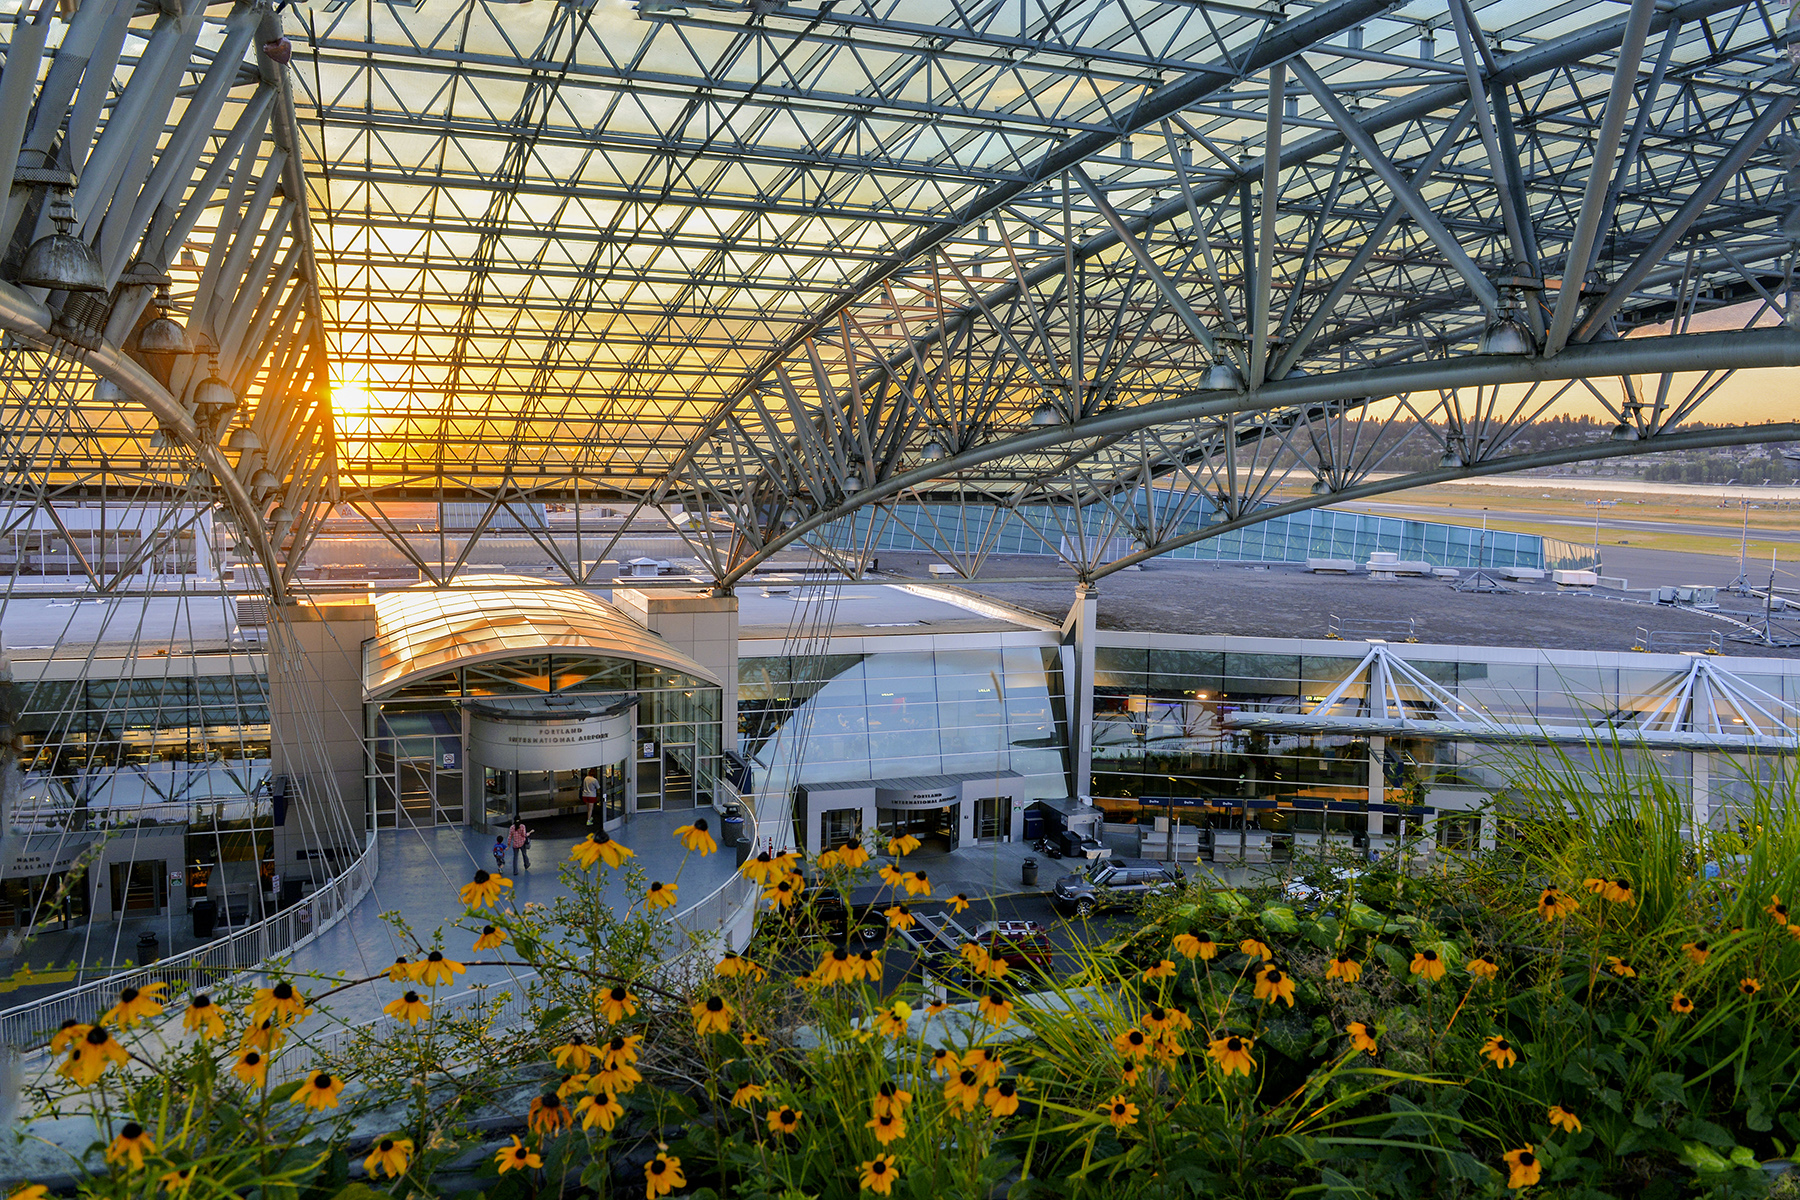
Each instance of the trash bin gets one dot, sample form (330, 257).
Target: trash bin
(742, 850)
(148, 951)
(1028, 873)
(731, 828)
(206, 915)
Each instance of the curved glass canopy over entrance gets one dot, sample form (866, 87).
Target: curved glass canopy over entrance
(481, 703)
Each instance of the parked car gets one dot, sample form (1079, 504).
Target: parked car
(1112, 883)
(1021, 945)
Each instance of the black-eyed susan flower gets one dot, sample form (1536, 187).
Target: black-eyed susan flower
(620, 1079)
(517, 1157)
(899, 917)
(828, 860)
(89, 1057)
(1361, 1038)
(616, 1003)
(917, 883)
(979, 960)
(1132, 1043)
(986, 1064)
(1002, 1099)
(867, 966)
(280, 1003)
(203, 1017)
(1167, 1049)
(1255, 949)
(935, 1007)
(408, 1008)
(31, 1191)
(1619, 891)
(697, 838)
(964, 1089)
(783, 892)
(575, 1054)
(784, 1120)
(1272, 984)
(1554, 904)
(1158, 1019)
(620, 1050)
(601, 1110)
(747, 1094)
(67, 1034)
(1597, 885)
(891, 875)
(711, 1015)
(1232, 1053)
(436, 969)
(1429, 965)
(1186, 945)
(894, 1020)
(735, 965)
(1777, 910)
(491, 937)
(402, 971)
(942, 1062)
(251, 1067)
(265, 1035)
(995, 1009)
(1499, 1051)
(752, 1038)
(1343, 968)
(890, 1097)
(888, 1127)
(1120, 1111)
(600, 847)
(662, 1175)
(548, 1114)
(175, 1183)
(1562, 1118)
(903, 845)
(838, 966)
(1522, 1168)
(131, 1145)
(853, 855)
(1620, 967)
(1697, 952)
(572, 1084)
(1129, 1071)
(1483, 967)
(319, 1090)
(878, 1175)
(390, 1156)
(959, 903)
(761, 870)
(1164, 969)
(484, 890)
(135, 1004)
(1680, 1005)
(660, 895)
(1749, 985)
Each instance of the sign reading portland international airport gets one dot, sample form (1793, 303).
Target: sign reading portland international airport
(519, 739)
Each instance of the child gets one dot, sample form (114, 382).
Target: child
(500, 853)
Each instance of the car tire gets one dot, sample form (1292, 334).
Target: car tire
(1084, 908)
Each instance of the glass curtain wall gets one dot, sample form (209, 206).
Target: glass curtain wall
(884, 716)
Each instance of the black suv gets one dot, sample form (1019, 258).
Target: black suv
(1114, 883)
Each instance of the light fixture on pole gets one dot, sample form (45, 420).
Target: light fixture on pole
(60, 261)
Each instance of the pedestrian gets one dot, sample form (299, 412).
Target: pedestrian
(590, 793)
(500, 852)
(519, 838)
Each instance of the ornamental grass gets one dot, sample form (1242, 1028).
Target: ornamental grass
(1604, 1006)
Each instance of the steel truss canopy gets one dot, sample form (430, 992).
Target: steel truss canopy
(1125, 262)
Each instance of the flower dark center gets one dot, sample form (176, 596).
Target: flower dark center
(1157, 1014)
(481, 877)
(764, 857)
(600, 839)
(841, 955)
(787, 1116)
(387, 1144)
(920, 876)
(412, 997)
(656, 1168)
(97, 1037)
(700, 824)
(1527, 1159)
(1431, 956)
(322, 1080)
(714, 1004)
(1007, 1087)
(252, 1058)
(69, 1024)
(1700, 946)
(202, 1001)
(618, 1043)
(1137, 1039)
(1273, 976)
(435, 956)
(887, 1091)
(128, 995)
(618, 993)
(552, 1100)
(487, 930)
(1234, 1044)
(878, 1167)
(1118, 1110)
(967, 1078)
(132, 1131)
(1502, 1044)
(283, 991)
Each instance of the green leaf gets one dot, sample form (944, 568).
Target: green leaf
(1280, 920)
(1706, 1131)
(1466, 1166)
(1702, 1159)
(1758, 1118)
(1670, 1087)
(1395, 961)
(359, 1191)
(1364, 917)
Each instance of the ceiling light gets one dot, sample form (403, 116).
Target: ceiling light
(59, 261)
(1222, 377)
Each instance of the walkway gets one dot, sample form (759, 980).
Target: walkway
(422, 869)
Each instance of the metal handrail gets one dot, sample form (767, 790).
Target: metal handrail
(27, 1026)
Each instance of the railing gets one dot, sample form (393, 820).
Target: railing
(1361, 630)
(28, 1026)
(1664, 641)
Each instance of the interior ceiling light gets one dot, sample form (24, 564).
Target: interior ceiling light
(1223, 377)
(931, 451)
(59, 261)
(1046, 414)
(162, 334)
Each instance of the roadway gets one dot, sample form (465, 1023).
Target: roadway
(1468, 514)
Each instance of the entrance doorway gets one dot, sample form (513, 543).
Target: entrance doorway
(993, 819)
(937, 829)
